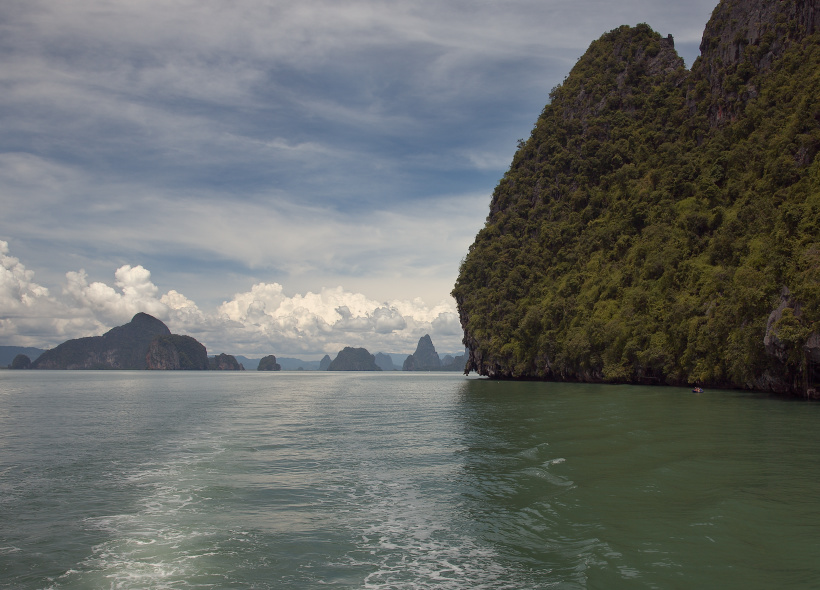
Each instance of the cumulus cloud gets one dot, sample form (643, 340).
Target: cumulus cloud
(29, 314)
(447, 323)
(262, 320)
(333, 317)
(136, 294)
(17, 288)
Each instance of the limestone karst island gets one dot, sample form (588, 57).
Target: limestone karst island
(662, 225)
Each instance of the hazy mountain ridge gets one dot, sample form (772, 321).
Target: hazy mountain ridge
(661, 225)
(7, 353)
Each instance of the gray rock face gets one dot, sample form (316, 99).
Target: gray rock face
(425, 358)
(757, 24)
(793, 351)
(324, 363)
(176, 353)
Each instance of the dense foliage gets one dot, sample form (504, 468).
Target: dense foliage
(643, 234)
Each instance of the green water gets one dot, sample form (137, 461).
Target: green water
(661, 488)
(316, 480)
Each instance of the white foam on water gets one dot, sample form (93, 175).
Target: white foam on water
(409, 540)
(544, 474)
(164, 541)
(9, 550)
(535, 452)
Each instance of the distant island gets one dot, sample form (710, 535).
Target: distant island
(425, 358)
(269, 363)
(354, 359)
(662, 225)
(145, 343)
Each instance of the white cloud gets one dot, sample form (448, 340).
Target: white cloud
(29, 314)
(137, 294)
(314, 322)
(18, 291)
(447, 323)
(260, 321)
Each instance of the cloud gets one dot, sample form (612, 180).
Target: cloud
(29, 314)
(18, 291)
(321, 322)
(270, 149)
(259, 321)
(447, 323)
(136, 294)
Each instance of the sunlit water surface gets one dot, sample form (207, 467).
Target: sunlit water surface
(402, 480)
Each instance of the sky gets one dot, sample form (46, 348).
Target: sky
(268, 176)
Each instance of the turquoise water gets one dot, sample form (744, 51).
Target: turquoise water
(400, 480)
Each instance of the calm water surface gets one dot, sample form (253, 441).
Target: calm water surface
(367, 480)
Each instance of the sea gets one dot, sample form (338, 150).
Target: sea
(292, 480)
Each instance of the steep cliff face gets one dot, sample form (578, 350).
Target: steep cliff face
(646, 230)
(176, 353)
(743, 39)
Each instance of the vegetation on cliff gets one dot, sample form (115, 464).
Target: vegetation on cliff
(657, 219)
